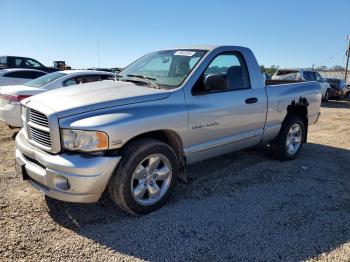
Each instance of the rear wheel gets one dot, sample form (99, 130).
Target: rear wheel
(289, 141)
(145, 177)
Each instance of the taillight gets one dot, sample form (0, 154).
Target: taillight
(13, 98)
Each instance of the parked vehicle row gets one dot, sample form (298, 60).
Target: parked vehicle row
(7, 62)
(24, 62)
(170, 108)
(338, 88)
(301, 74)
(11, 96)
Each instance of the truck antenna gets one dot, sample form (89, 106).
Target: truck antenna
(98, 53)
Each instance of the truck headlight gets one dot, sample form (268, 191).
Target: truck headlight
(87, 141)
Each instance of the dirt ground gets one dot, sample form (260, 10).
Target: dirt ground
(243, 206)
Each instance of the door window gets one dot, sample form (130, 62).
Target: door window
(33, 74)
(17, 74)
(87, 79)
(309, 76)
(81, 80)
(318, 77)
(19, 62)
(3, 61)
(106, 77)
(231, 68)
(33, 63)
(70, 82)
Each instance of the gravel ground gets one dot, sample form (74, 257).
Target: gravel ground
(243, 206)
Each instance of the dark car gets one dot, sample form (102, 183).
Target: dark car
(338, 87)
(24, 62)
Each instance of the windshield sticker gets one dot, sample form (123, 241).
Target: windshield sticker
(185, 53)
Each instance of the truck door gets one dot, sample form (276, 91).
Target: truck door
(230, 117)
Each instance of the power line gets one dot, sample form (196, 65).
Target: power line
(332, 57)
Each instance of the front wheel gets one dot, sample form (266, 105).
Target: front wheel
(290, 140)
(145, 177)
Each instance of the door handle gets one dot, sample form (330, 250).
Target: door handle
(251, 100)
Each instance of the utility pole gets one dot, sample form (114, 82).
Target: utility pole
(347, 59)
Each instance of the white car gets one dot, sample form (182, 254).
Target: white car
(18, 76)
(304, 75)
(11, 96)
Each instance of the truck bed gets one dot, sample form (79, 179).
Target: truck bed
(280, 82)
(282, 94)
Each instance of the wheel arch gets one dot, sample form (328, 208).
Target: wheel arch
(170, 138)
(299, 109)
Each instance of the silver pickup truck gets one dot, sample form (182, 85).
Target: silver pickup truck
(134, 136)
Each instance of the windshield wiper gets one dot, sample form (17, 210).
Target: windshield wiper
(143, 77)
(149, 80)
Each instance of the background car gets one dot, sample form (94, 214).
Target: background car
(11, 96)
(338, 87)
(17, 76)
(24, 62)
(347, 90)
(304, 75)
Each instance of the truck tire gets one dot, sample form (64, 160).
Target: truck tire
(289, 141)
(145, 177)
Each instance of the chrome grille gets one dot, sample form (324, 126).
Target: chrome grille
(38, 129)
(40, 137)
(38, 118)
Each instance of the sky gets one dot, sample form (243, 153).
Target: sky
(289, 33)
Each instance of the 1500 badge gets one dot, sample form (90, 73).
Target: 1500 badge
(214, 123)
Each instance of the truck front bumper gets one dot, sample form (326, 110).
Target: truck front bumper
(66, 177)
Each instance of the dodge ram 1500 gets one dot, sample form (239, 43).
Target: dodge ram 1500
(134, 136)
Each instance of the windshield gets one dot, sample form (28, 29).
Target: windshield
(287, 75)
(166, 69)
(45, 79)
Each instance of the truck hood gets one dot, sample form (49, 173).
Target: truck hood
(83, 98)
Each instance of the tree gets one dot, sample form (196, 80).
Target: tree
(269, 70)
(321, 68)
(337, 68)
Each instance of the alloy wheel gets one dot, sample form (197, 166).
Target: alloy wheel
(151, 179)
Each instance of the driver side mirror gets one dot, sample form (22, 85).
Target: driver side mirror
(215, 82)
